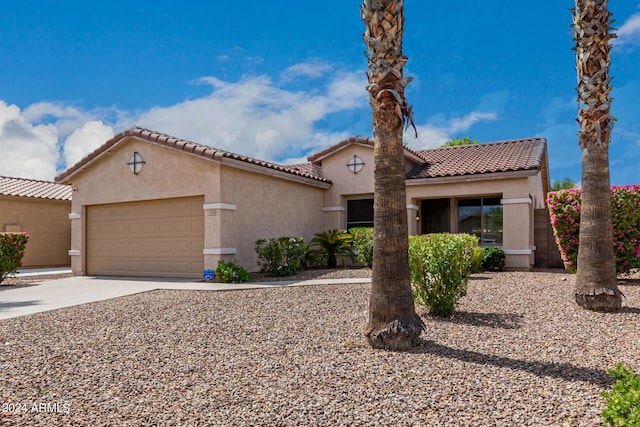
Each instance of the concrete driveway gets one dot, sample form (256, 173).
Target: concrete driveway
(20, 300)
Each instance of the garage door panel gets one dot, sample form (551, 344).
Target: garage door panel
(151, 238)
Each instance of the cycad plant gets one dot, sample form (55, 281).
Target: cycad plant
(331, 245)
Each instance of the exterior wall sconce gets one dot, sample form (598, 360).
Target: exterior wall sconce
(136, 163)
(355, 165)
(418, 217)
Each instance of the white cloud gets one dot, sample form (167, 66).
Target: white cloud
(629, 32)
(258, 118)
(254, 116)
(28, 151)
(433, 136)
(85, 139)
(313, 69)
(462, 124)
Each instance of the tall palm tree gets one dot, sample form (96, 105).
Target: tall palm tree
(393, 322)
(596, 282)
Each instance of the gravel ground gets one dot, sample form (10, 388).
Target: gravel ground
(518, 352)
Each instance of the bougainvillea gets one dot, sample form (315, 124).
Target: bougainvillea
(564, 210)
(12, 246)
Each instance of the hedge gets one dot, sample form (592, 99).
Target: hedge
(564, 211)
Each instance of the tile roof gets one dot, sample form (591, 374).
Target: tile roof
(503, 156)
(317, 157)
(186, 146)
(23, 187)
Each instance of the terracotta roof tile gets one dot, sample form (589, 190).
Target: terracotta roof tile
(23, 187)
(503, 156)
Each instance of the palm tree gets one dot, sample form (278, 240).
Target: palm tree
(596, 282)
(393, 322)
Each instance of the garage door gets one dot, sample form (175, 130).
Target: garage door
(161, 238)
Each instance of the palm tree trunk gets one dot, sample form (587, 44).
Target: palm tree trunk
(596, 281)
(393, 322)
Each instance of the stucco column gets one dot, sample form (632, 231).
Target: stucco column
(215, 216)
(517, 231)
(412, 222)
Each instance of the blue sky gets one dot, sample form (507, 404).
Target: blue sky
(280, 80)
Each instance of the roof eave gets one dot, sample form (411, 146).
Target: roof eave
(282, 174)
(491, 176)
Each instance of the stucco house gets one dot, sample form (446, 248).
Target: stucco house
(149, 204)
(41, 209)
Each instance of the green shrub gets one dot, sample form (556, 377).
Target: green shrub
(282, 256)
(331, 245)
(493, 259)
(363, 244)
(231, 272)
(12, 246)
(440, 267)
(476, 259)
(623, 402)
(564, 212)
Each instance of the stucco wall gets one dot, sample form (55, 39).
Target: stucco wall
(240, 206)
(266, 207)
(345, 184)
(46, 221)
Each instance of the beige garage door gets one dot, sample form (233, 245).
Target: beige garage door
(162, 238)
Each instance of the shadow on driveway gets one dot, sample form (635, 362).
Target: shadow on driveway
(4, 306)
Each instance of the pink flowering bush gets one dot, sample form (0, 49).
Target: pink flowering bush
(12, 247)
(564, 210)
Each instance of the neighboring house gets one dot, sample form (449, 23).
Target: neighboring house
(150, 204)
(41, 209)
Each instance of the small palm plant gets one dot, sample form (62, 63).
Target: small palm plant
(331, 245)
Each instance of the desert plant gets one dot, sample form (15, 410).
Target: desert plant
(231, 272)
(476, 259)
(493, 259)
(623, 401)
(282, 256)
(440, 267)
(363, 244)
(331, 245)
(12, 247)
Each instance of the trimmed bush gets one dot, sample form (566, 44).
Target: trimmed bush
(440, 268)
(476, 259)
(493, 259)
(564, 210)
(363, 244)
(623, 402)
(231, 272)
(281, 256)
(12, 246)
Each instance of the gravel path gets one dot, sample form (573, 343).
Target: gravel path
(518, 353)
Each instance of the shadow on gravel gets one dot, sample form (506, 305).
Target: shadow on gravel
(489, 320)
(563, 371)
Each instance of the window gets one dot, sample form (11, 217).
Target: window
(483, 218)
(359, 213)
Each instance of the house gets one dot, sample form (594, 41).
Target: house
(41, 209)
(149, 204)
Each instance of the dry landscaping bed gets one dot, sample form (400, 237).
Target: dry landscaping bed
(518, 352)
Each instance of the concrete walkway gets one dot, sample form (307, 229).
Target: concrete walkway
(20, 300)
